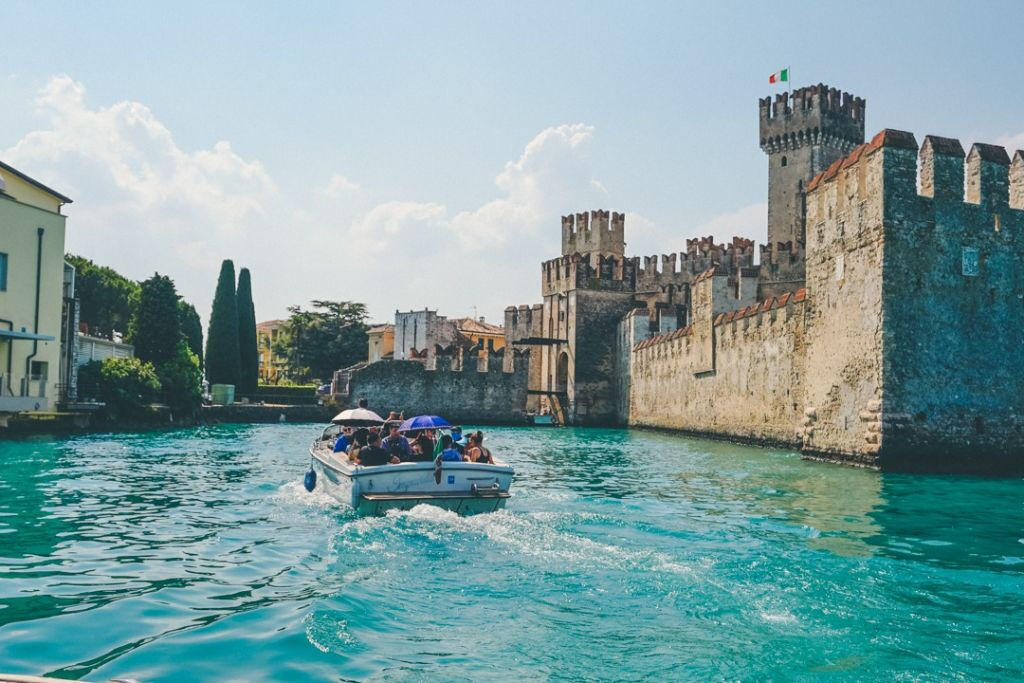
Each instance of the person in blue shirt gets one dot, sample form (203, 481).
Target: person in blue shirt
(449, 454)
(396, 444)
(344, 441)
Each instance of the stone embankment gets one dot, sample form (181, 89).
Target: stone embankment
(252, 413)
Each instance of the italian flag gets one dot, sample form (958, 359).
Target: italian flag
(780, 76)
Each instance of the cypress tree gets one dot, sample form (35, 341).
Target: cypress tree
(155, 329)
(191, 329)
(250, 358)
(223, 365)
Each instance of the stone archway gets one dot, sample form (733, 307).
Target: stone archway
(562, 372)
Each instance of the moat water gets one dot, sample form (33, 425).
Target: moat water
(624, 555)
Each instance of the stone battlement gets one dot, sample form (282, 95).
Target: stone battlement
(927, 179)
(480, 358)
(593, 232)
(734, 316)
(812, 115)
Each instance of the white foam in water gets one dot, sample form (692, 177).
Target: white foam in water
(294, 492)
(529, 535)
(777, 617)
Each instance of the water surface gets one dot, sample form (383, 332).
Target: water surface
(197, 555)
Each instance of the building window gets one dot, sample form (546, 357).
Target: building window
(3, 272)
(38, 370)
(783, 161)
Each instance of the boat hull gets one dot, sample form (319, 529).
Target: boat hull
(465, 488)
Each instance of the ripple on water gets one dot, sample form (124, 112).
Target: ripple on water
(625, 555)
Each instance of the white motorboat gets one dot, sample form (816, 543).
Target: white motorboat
(463, 487)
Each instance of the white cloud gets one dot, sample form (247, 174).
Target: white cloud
(550, 176)
(145, 204)
(1012, 142)
(340, 187)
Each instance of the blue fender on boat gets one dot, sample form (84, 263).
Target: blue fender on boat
(310, 481)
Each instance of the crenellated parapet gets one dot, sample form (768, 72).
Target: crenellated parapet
(814, 115)
(680, 269)
(595, 231)
(485, 359)
(1017, 180)
(923, 184)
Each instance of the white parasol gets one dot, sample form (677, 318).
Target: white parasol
(358, 417)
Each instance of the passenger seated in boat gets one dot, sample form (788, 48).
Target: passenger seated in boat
(344, 441)
(423, 448)
(359, 438)
(396, 444)
(476, 451)
(458, 442)
(373, 454)
(448, 454)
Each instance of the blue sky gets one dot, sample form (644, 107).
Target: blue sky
(414, 154)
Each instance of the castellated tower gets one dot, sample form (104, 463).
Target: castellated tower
(802, 133)
(592, 232)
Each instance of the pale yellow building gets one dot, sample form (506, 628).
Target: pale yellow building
(271, 367)
(34, 283)
(380, 342)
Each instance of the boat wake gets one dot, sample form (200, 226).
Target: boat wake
(538, 538)
(294, 493)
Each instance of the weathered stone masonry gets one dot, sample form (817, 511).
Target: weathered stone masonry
(884, 324)
(945, 297)
(463, 387)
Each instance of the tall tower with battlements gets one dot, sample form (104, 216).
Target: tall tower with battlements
(592, 233)
(802, 133)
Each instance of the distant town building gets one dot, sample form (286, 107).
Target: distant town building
(37, 306)
(271, 366)
(480, 331)
(380, 342)
(419, 333)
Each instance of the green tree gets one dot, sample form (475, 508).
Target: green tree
(125, 385)
(191, 329)
(248, 353)
(317, 342)
(223, 364)
(106, 300)
(181, 379)
(155, 328)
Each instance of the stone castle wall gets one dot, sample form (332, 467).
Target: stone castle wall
(905, 349)
(843, 387)
(738, 375)
(914, 340)
(479, 391)
(951, 302)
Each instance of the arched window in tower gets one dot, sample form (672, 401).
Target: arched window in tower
(784, 161)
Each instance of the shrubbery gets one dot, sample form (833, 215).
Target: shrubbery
(181, 380)
(126, 385)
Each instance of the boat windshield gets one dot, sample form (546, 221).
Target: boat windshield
(330, 433)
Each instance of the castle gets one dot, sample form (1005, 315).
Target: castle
(882, 324)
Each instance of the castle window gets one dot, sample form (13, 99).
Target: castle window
(783, 160)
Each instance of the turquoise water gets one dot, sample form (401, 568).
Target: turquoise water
(197, 555)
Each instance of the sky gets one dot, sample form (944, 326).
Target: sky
(412, 155)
